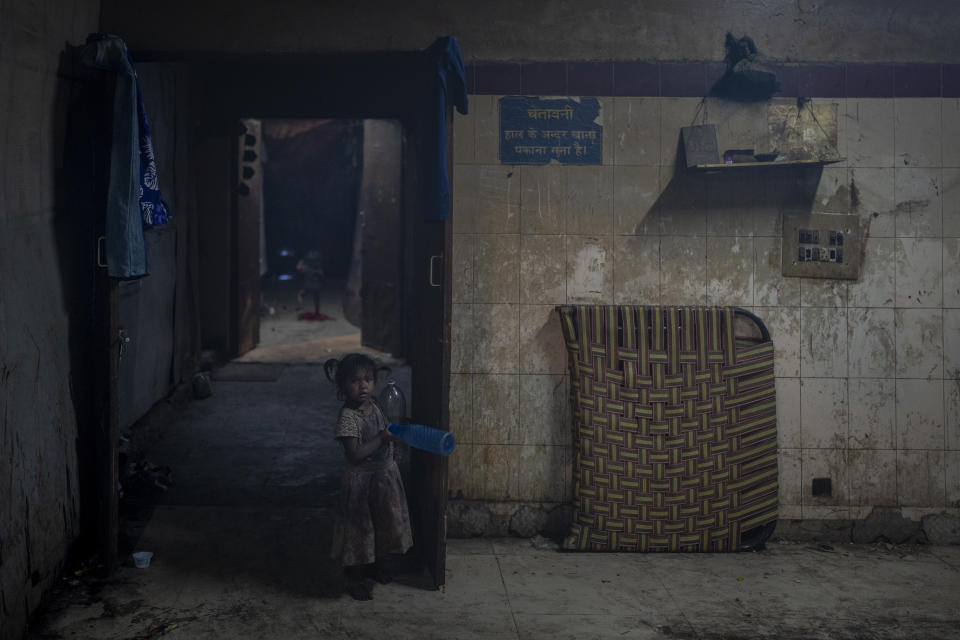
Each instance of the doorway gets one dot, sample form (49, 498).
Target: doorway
(414, 304)
(329, 207)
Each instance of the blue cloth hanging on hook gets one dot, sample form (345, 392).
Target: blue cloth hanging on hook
(448, 77)
(134, 201)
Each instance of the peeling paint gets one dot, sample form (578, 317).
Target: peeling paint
(840, 201)
(587, 276)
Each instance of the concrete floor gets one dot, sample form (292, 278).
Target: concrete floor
(241, 540)
(286, 338)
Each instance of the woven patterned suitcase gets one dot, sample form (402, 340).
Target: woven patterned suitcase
(675, 428)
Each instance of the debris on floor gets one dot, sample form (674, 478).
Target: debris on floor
(544, 544)
(144, 477)
(315, 317)
(202, 387)
(157, 631)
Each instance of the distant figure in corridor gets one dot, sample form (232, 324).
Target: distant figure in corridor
(311, 266)
(371, 519)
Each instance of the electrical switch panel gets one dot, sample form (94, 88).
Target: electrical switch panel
(821, 245)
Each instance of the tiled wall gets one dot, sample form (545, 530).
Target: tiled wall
(867, 371)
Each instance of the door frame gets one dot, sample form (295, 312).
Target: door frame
(391, 86)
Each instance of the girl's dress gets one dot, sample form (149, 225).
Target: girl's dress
(372, 516)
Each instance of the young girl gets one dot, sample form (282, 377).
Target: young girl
(311, 266)
(372, 518)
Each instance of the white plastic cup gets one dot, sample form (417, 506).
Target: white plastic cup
(142, 559)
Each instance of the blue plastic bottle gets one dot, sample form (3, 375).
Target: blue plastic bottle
(424, 437)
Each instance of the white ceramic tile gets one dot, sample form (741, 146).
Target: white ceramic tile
(731, 269)
(543, 199)
(950, 117)
(636, 270)
(497, 471)
(605, 118)
(919, 203)
(462, 337)
(871, 343)
(542, 266)
(951, 389)
(544, 410)
(635, 192)
(868, 132)
(636, 131)
(920, 479)
(873, 478)
(497, 268)
(920, 414)
(731, 201)
(873, 413)
(789, 512)
(462, 287)
(818, 292)
(919, 343)
(464, 137)
(466, 189)
(833, 194)
(463, 477)
(495, 338)
(542, 349)
(486, 113)
(790, 490)
(951, 203)
(461, 406)
(823, 342)
(540, 473)
(784, 326)
(496, 409)
(498, 199)
(875, 201)
(917, 134)
(877, 285)
(788, 413)
(823, 413)
(770, 287)
(589, 269)
(683, 270)
(952, 477)
(951, 344)
(919, 272)
(951, 273)
(682, 206)
(768, 208)
(589, 199)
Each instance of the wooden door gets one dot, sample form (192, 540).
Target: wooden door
(429, 356)
(380, 206)
(249, 216)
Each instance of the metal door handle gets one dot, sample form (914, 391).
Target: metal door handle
(433, 260)
(101, 243)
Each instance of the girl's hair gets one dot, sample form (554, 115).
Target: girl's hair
(339, 371)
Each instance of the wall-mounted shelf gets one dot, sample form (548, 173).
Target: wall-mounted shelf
(774, 163)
